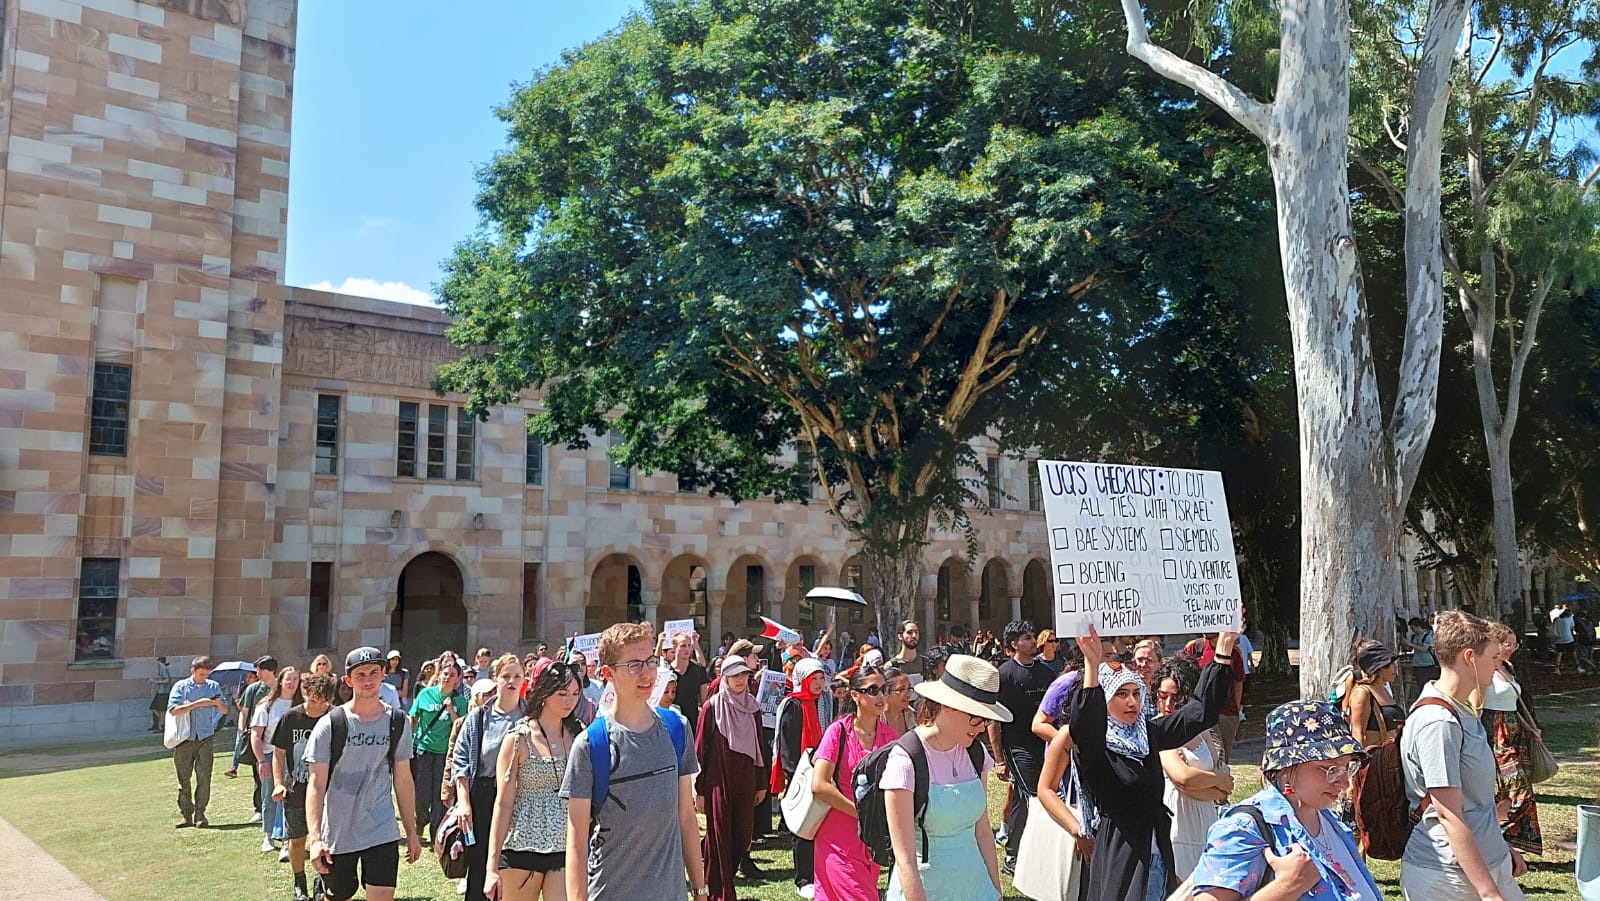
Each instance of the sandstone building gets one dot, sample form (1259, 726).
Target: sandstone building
(196, 459)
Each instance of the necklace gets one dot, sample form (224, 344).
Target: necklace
(553, 748)
(1465, 705)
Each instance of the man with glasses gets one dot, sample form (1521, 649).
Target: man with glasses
(645, 837)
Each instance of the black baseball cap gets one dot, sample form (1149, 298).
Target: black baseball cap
(362, 657)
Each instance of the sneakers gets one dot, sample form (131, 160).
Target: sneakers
(266, 845)
(231, 772)
(255, 817)
(283, 854)
(808, 891)
(300, 894)
(202, 822)
(184, 823)
(461, 887)
(1008, 867)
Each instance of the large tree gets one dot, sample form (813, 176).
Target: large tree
(728, 226)
(1358, 461)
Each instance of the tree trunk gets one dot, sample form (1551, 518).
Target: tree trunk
(893, 575)
(1350, 510)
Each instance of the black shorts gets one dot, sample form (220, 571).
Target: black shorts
(380, 866)
(294, 822)
(533, 861)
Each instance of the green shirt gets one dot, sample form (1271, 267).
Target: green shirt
(253, 693)
(428, 710)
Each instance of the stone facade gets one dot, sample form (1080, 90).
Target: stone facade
(144, 165)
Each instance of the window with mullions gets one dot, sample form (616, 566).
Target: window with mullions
(405, 466)
(755, 595)
(995, 494)
(466, 445)
(1035, 493)
(535, 474)
(108, 410)
(98, 589)
(327, 435)
(438, 421)
(619, 477)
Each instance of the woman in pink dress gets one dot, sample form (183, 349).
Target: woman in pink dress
(844, 869)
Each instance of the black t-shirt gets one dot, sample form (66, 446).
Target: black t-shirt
(1022, 688)
(690, 681)
(294, 735)
(912, 667)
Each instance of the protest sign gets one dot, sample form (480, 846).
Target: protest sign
(588, 646)
(675, 627)
(773, 689)
(1139, 550)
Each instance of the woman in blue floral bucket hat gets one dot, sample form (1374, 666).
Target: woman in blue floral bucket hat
(1306, 852)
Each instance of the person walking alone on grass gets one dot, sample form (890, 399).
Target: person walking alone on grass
(291, 772)
(162, 683)
(350, 807)
(200, 699)
(473, 761)
(528, 838)
(1457, 852)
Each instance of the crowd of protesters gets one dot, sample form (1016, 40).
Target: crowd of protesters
(567, 777)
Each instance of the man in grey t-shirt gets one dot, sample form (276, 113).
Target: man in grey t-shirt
(351, 814)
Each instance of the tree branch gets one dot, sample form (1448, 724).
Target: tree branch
(1246, 110)
(1519, 364)
(1494, 53)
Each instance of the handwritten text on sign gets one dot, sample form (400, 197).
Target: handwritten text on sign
(1139, 550)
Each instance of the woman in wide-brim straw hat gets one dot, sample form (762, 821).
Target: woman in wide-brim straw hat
(1308, 852)
(1119, 767)
(961, 862)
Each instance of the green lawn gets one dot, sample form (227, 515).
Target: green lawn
(107, 811)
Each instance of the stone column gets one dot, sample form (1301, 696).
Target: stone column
(1016, 610)
(714, 597)
(650, 599)
(928, 589)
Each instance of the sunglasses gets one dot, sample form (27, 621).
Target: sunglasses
(873, 691)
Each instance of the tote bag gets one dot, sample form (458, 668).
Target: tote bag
(178, 730)
(1048, 866)
(802, 813)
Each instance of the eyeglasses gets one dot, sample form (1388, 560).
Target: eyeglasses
(1340, 771)
(635, 667)
(899, 691)
(874, 691)
(976, 720)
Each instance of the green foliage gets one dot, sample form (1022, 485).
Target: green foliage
(730, 225)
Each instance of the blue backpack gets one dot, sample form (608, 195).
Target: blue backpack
(600, 754)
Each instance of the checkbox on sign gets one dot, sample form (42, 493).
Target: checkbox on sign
(1069, 602)
(1059, 539)
(1169, 569)
(1064, 574)
(1166, 539)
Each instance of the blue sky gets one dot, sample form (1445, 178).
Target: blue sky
(393, 110)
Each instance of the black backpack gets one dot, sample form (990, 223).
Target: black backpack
(872, 814)
(340, 724)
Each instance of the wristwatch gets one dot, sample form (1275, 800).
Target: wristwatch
(703, 891)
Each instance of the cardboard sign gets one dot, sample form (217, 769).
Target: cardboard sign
(773, 689)
(675, 627)
(1139, 550)
(588, 646)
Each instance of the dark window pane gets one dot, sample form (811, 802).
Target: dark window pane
(1035, 497)
(635, 594)
(807, 577)
(535, 461)
(406, 442)
(438, 419)
(530, 601)
(994, 483)
(327, 462)
(108, 410)
(319, 631)
(466, 444)
(98, 593)
(755, 595)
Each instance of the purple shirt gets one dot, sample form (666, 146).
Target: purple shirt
(1056, 695)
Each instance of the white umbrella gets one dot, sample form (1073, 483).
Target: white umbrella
(829, 596)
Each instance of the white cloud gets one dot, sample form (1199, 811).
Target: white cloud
(367, 287)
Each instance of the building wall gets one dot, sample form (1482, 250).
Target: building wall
(142, 219)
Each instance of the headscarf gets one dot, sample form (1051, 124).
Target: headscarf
(735, 714)
(811, 724)
(1127, 739)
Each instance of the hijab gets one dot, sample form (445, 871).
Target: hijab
(735, 714)
(811, 723)
(1127, 739)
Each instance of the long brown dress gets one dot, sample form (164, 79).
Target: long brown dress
(728, 781)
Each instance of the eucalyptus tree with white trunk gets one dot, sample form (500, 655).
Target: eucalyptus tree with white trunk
(1358, 463)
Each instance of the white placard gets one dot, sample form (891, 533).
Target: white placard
(588, 646)
(1139, 550)
(773, 689)
(675, 627)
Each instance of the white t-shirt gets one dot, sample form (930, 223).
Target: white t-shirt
(267, 717)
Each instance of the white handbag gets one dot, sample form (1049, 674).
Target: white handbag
(178, 730)
(1048, 866)
(802, 812)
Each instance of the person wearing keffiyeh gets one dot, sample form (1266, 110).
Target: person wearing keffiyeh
(1117, 757)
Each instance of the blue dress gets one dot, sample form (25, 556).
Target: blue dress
(955, 869)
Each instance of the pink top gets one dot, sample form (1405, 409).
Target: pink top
(828, 749)
(944, 767)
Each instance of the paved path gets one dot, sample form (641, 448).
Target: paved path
(23, 863)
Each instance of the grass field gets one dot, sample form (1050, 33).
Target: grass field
(107, 812)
